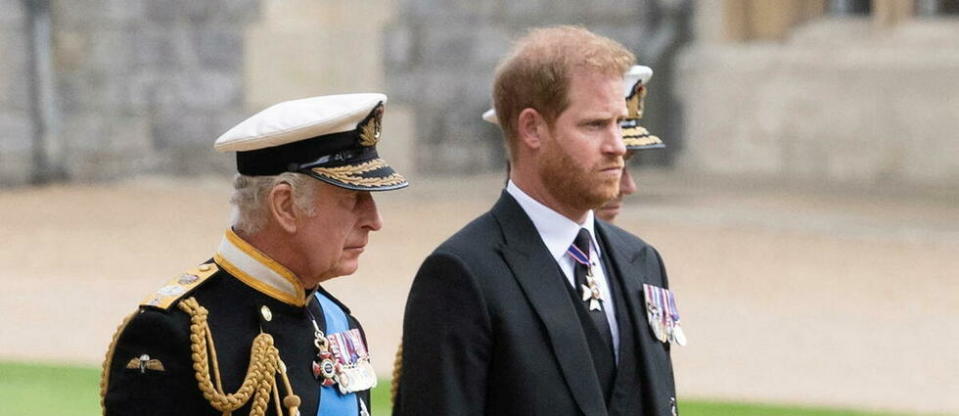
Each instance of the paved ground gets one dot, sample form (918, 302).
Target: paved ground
(790, 295)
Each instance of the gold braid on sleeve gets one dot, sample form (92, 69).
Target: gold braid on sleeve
(260, 379)
(107, 362)
(397, 372)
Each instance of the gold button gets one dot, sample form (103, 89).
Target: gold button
(267, 314)
(205, 267)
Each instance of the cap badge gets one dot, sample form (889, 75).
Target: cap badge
(371, 127)
(634, 103)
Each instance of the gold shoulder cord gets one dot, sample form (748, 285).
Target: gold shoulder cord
(397, 372)
(260, 379)
(105, 375)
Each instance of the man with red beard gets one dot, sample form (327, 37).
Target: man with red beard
(535, 307)
(635, 137)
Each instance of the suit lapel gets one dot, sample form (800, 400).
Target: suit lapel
(625, 260)
(540, 279)
(629, 262)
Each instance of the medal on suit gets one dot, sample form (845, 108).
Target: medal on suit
(663, 315)
(653, 312)
(676, 334)
(590, 290)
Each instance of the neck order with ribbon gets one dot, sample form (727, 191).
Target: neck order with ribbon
(590, 290)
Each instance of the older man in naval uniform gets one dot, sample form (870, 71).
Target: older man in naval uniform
(536, 308)
(251, 331)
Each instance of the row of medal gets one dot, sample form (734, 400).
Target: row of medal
(662, 314)
(343, 360)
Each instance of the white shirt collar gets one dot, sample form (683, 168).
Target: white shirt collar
(557, 231)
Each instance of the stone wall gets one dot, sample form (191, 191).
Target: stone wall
(440, 57)
(840, 101)
(301, 48)
(143, 86)
(16, 128)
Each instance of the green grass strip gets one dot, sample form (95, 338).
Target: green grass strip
(47, 389)
(44, 389)
(718, 408)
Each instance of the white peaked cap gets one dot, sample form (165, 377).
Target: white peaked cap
(490, 116)
(636, 74)
(331, 138)
(292, 121)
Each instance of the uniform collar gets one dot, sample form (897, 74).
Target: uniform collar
(259, 271)
(557, 231)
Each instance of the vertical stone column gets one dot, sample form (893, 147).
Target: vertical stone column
(16, 128)
(301, 48)
(888, 13)
(47, 146)
(765, 20)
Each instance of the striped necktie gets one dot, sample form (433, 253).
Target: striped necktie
(586, 284)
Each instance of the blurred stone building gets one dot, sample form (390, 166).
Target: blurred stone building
(440, 57)
(842, 91)
(848, 91)
(99, 89)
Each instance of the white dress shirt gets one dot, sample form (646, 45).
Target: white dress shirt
(558, 233)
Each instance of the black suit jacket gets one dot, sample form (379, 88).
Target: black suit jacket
(490, 328)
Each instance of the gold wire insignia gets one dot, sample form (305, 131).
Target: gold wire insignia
(144, 362)
(635, 132)
(371, 128)
(635, 101)
(349, 174)
(639, 136)
(642, 141)
(179, 286)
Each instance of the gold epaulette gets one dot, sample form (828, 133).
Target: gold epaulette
(179, 286)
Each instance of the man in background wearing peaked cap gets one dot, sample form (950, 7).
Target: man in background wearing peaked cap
(536, 308)
(251, 331)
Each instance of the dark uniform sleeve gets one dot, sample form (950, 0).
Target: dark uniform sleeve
(149, 370)
(446, 342)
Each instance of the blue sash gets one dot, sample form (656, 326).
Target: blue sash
(332, 403)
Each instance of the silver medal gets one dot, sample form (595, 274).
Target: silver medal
(678, 336)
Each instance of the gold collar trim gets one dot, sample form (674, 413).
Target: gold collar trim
(259, 271)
